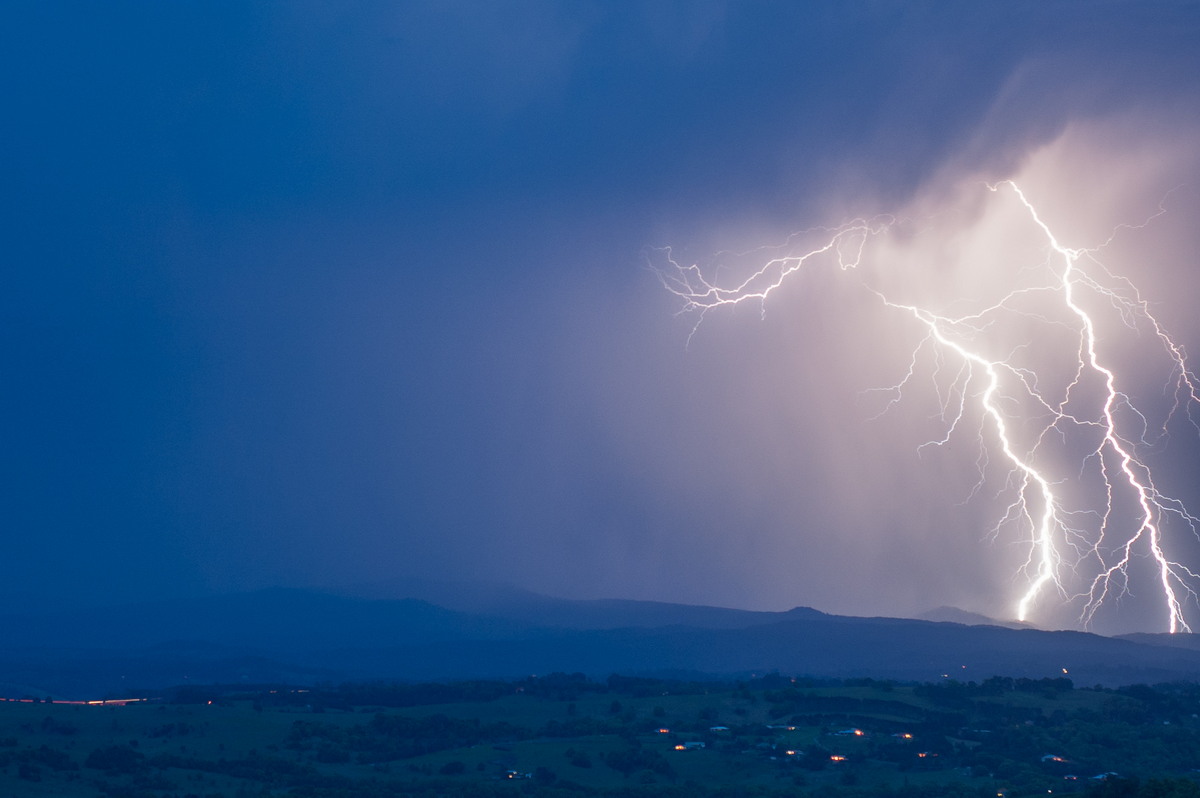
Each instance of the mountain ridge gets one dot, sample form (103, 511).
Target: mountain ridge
(300, 636)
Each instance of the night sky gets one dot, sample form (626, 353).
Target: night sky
(328, 294)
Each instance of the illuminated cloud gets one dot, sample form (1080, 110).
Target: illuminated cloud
(330, 293)
(1036, 366)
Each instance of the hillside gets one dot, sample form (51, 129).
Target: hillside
(304, 637)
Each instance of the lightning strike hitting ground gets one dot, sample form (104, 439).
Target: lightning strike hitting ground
(1061, 434)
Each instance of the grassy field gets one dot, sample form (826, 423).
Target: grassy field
(570, 736)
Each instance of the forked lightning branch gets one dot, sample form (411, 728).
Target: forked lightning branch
(1063, 425)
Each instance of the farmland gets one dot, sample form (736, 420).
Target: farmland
(562, 735)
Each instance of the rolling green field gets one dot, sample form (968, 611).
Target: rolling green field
(564, 735)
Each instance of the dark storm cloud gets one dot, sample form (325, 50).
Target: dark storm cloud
(321, 293)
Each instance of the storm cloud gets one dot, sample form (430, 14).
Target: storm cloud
(325, 294)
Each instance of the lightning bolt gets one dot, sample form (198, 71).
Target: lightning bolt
(1084, 554)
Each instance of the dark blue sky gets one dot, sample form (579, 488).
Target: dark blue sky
(326, 293)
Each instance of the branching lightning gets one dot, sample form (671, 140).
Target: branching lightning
(1056, 432)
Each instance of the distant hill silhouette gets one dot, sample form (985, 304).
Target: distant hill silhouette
(955, 615)
(304, 636)
(1189, 641)
(544, 611)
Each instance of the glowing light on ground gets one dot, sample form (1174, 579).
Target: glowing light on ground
(1052, 405)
